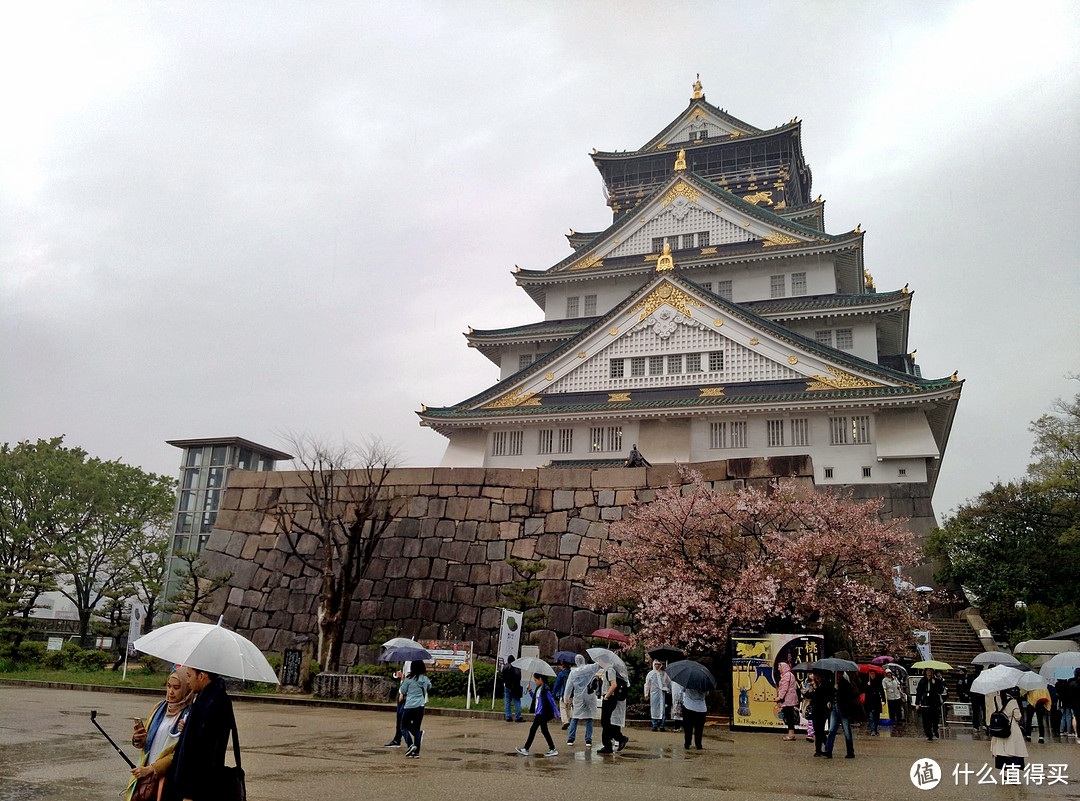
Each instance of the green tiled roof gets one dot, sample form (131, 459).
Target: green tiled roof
(816, 302)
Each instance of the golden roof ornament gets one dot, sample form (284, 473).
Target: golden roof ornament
(665, 262)
(698, 94)
(868, 279)
(680, 161)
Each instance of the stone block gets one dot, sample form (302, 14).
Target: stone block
(226, 519)
(562, 499)
(404, 608)
(590, 513)
(575, 570)
(547, 545)
(390, 547)
(476, 476)
(458, 572)
(501, 573)
(662, 475)
(923, 508)
(246, 478)
(568, 544)
(478, 509)
(578, 525)
(235, 544)
(467, 491)
(589, 547)
(425, 609)
(251, 598)
(446, 613)
(397, 567)
(553, 569)
(457, 508)
(430, 546)
(560, 619)
(605, 498)
(464, 595)
(490, 618)
(438, 568)
(520, 511)
(421, 588)
(251, 547)
(445, 529)
(418, 568)
(625, 497)
(533, 526)
(598, 530)
(564, 478)
(466, 531)
(236, 597)
(243, 573)
(611, 513)
(454, 551)
(618, 477)
(555, 592)
(510, 530)
(516, 496)
(436, 507)
(479, 574)
(441, 591)
(496, 551)
(507, 477)
(486, 595)
(410, 475)
(293, 567)
(585, 622)
(555, 522)
(542, 501)
(499, 512)
(376, 569)
(418, 506)
(646, 495)
(398, 588)
(523, 549)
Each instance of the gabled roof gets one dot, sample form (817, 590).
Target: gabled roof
(772, 229)
(814, 372)
(809, 304)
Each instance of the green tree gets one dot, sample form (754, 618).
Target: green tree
(1057, 462)
(46, 500)
(197, 587)
(95, 562)
(149, 568)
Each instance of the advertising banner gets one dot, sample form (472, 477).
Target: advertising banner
(448, 655)
(755, 672)
(135, 626)
(922, 643)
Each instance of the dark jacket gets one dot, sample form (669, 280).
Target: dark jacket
(821, 698)
(511, 677)
(929, 692)
(199, 758)
(845, 697)
(963, 687)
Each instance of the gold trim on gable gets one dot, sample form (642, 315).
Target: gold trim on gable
(777, 238)
(618, 397)
(681, 188)
(668, 294)
(592, 260)
(839, 380)
(711, 392)
(511, 399)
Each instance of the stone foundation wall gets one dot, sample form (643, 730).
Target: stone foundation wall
(438, 570)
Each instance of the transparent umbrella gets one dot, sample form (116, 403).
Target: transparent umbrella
(528, 665)
(608, 658)
(996, 679)
(214, 649)
(1059, 661)
(995, 658)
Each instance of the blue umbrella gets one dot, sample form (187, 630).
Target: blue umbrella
(404, 655)
(564, 656)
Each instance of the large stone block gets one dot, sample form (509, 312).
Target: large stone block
(478, 509)
(542, 501)
(585, 622)
(430, 546)
(487, 532)
(485, 595)
(492, 493)
(459, 475)
(523, 549)
(421, 588)
(445, 529)
(464, 595)
(611, 513)
(479, 574)
(404, 608)
(499, 512)
(441, 591)
(397, 567)
(589, 546)
(618, 477)
(547, 545)
(418, 506)
(436, 507)
(466, 531)
(578, 525)
(410, 475)
(533, 526)
(564, 478)
(662, 475)
(438, 568)
(560, 618)
(458, 572)
(562, 499)
(555, 592)
(490, 618)
(501, 573)
(419, 568)
(555, 522)
(510, 530)
(568, 544)
(457, 508)
(507, 477)
(496, 551)
(454, 551)
(446, 613)
(575, 570)
(516, 496)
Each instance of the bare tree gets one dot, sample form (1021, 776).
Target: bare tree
(197, 587)
(336, 527)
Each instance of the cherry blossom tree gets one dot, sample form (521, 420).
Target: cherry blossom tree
(700, 563)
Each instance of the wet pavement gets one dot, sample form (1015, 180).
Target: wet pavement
(49, 750)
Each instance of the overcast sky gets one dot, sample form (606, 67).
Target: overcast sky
(224, 219)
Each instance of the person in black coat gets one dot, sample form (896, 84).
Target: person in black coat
(511, 679)
(928, 697)
(199, 760)
(821, 698)
(843, 707)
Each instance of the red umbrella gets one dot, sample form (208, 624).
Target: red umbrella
(871, 669)
(611, 634)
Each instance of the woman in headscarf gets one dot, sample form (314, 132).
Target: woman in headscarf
(582, 702)
(157, 737)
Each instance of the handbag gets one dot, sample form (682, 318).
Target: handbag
(148, 788)
(233, 787)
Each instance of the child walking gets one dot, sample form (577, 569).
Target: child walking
(546, 709)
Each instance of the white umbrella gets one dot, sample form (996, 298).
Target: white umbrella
(1032, 681)
(996, 679)
(608, 658)
(528, 665)
(401, 642)
(211, 648)
(995, 658)
(1060, 661)
(1045, 647)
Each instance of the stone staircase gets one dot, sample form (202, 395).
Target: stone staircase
(956, 643)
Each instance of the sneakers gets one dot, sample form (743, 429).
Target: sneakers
(523, 751)
(588, 743)
(519, 720)
(605, 751)
(392, 744)
(571, 742)
(413, 751)
(622, 743)
(552, 752)
(565, 726)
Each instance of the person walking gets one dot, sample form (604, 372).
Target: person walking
(819, 709)
(978, 702)
(546, 709)
(894, 697)
(1038, 706)
(843, 706)
(787, 696)
(158, 735)
(612, 711)
(872, 699)
(1011, 749)
(656, 684)
(928, 696)
(398, 731)
(511, 679)
(581, 702)
(199, 758)
(413, 695)
(559, 691)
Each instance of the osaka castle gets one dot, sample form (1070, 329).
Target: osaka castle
(715, 318)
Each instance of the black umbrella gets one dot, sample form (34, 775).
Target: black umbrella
(691, 675)
(666, 653)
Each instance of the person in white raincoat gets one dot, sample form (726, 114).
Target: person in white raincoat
(657, 683)
(582, 702)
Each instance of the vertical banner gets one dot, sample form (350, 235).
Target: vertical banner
(509, 638)
(135, 627)
(922, 643)
(755, 672)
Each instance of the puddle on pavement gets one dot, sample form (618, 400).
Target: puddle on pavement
(281, 725)
(480, 751)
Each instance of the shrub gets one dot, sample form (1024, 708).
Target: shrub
(30, 653)
(55, 660)
(275, 661)
(90, 660)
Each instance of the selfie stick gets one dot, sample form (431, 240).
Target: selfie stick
(93, 719)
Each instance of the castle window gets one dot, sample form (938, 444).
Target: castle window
(572, 306)
(615, 368)
(547, 437)
(723, 289)
(823, 338)
(703, 239)
(657, 244)
(901, 472)
(798, 283)
(674, 363)
(716, 361)
(637, 366)
(727, 435)
(844, 338)
(693, 362)
(656, 365)
(828, 472)
(590, 305)
(800, 432)
(775, 431)
(860, 429)
(566, 440)
(866, 472)
(606, 439)
(838, 430)
(524, 360)
(706, 285)
(777, 284)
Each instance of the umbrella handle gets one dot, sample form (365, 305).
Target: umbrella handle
(93, 719)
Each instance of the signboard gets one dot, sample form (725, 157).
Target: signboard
(755, 672)
(509, 637)
(55, 644)
(290, 668)
(448, 655)
(135, 627)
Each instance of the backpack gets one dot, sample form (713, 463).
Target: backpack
(999, 725)
(622, 688)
